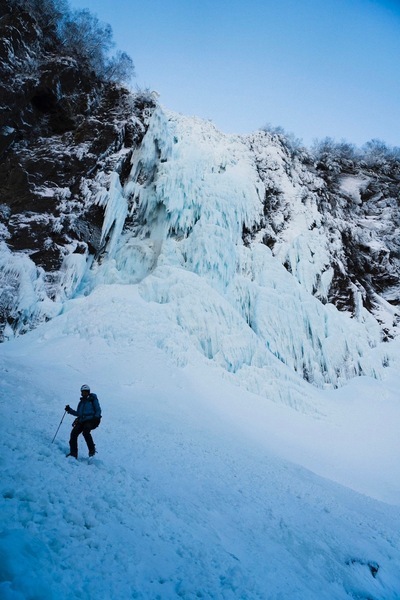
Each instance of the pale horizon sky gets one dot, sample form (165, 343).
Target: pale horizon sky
(317, 68)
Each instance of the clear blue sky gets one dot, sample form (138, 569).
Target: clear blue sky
(316, 67)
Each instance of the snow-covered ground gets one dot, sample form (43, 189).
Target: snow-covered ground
(201, 488)
(221, 473)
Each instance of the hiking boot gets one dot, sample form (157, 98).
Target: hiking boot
(73, 455)
(92, 453)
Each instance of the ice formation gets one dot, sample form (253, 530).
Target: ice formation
(176, 231)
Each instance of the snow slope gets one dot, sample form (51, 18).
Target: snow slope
(201, 489)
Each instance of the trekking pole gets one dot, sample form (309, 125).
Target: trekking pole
(59, 427)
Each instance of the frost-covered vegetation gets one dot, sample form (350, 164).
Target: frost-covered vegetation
(81, 35)
(334, 157)
(337, 157)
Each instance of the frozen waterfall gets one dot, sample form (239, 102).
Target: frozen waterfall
(175, 230)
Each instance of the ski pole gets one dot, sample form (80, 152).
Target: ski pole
(59, 427)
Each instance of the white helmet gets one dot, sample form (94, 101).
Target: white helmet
(85, 388)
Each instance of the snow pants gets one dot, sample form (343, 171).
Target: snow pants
(84, 428)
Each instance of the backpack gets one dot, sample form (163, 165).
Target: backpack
(97, 420)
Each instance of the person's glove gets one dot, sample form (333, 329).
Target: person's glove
(67, 408)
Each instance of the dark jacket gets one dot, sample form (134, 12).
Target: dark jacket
(87, 409)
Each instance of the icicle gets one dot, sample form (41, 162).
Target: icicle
(115, 214)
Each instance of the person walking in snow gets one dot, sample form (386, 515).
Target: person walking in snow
(88, 415)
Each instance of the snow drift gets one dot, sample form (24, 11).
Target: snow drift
(200, 489)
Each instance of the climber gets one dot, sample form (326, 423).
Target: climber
(88, 415)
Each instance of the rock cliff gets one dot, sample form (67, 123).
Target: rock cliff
(63, 130)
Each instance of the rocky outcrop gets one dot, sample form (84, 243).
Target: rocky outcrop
(342, 216)
(62, 132)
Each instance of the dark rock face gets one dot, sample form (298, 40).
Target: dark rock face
(369, 258)
(60, 126)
